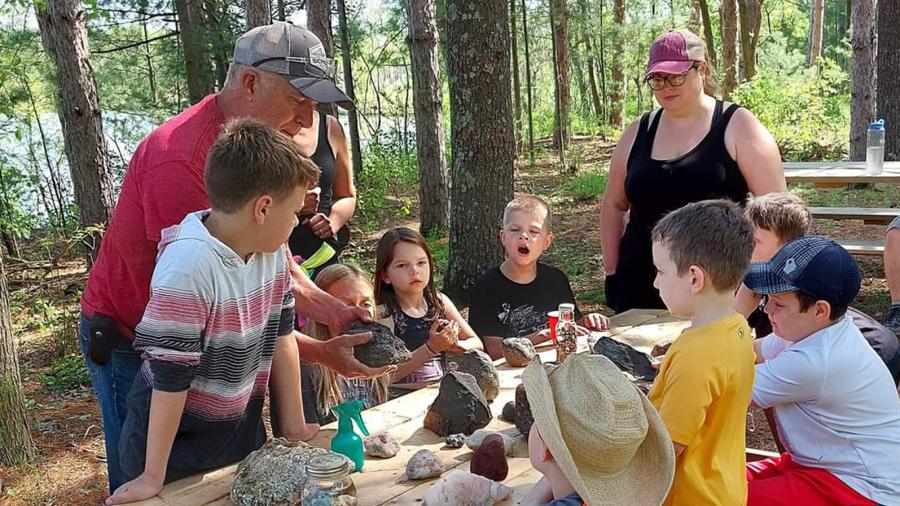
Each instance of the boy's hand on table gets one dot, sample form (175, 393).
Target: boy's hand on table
(138, 489)
(594, 321)
(540, 336)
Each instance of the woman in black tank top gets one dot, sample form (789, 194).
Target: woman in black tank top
(693, 148)
(337, 198)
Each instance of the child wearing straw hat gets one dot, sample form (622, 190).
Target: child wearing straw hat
(701, 253)
(596, 439)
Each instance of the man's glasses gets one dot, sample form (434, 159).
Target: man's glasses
(658, 82)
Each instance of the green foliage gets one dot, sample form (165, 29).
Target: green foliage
(387, 167)
(808, 111)
(66, 373)
(590, 184)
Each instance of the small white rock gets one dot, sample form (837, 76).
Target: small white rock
(424, 464)
(382, 445)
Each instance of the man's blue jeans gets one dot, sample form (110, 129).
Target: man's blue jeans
(111, 383)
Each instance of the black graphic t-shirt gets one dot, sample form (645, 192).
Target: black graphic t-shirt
(503, 308)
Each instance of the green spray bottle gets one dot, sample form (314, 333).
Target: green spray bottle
(346, 441)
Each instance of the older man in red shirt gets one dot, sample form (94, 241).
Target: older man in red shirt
(278, 75)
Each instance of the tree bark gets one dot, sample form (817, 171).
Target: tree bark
(434, 198)
(528, 78)
(280, 10)
(560, 25)
(64, 36)
(318, 21)
(695, 22)
(617, 91)
(814, 42)
(751, 17)
(201, 79)
(592, 77)
(482, 171)
(708, 31)
(728, 20)
(888, 60)
(16, 445)
(347, 63)
(517, 85)
(862, 93)
(259, 13)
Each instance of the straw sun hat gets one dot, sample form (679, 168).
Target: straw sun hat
(602, 432)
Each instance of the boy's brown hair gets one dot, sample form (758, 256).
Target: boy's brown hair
(250, 159)
(528, 203)
(711, 234)
(782, 213)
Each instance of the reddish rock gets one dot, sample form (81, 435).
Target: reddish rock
(524, 418)
(489, 459)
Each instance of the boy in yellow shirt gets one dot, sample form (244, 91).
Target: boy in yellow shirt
(701, 253)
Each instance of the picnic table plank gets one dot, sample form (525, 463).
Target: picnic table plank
(838, 173)
(870, 215)
(862, 247)
(383, 481)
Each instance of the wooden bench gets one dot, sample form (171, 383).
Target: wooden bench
(863, 248)
(870, 216)
(835, 174)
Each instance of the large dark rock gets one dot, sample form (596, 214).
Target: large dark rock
(626, 358)
(274, 474)
(489, 459)
(478, 364)
(384, 349)
(509, 412)
(460, 407)
(524, 418)
(518, 351)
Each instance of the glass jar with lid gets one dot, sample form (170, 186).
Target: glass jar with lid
(328, 482)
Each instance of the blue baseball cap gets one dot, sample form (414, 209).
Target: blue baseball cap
(812, 264)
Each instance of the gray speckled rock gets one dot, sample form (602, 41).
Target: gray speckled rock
(455, 440)
(384, 348)
(382, 445)
(518, 351)
(459, 407)
(478, 364)
(274, 474)
(424, 464)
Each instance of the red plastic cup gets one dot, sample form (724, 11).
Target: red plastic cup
(552, 320)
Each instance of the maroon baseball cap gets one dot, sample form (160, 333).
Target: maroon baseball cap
(674, 52)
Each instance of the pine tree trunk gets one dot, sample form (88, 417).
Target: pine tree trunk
(346, 61)
(751, 18)
(259, 13)
(592, 77)
(318, 21)
(814, 43)
(517, 85)
(280, 10)
(434, 198)
(560, 25)
(617, 91)
(198, 64)
(888, 63)
(64, 36)
(708, 31)
(482, 172)
(728, 20)
(862, 92)
(16, 445)
(530, 91)
(695, 22)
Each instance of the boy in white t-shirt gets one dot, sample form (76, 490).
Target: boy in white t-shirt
(834, 399)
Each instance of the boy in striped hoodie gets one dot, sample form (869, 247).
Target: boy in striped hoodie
(220, 318)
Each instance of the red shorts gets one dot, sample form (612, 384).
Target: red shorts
(781, 481)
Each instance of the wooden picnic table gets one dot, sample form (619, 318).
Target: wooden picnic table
(831, 174)
(383, 481)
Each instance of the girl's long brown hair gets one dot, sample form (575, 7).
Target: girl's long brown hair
(384, 255)
(328, 389)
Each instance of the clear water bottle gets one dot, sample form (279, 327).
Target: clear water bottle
(875, 148)
(566, 333)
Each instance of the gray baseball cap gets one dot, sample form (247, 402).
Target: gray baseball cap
(295, 53)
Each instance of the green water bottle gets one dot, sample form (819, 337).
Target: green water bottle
(346, 441)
